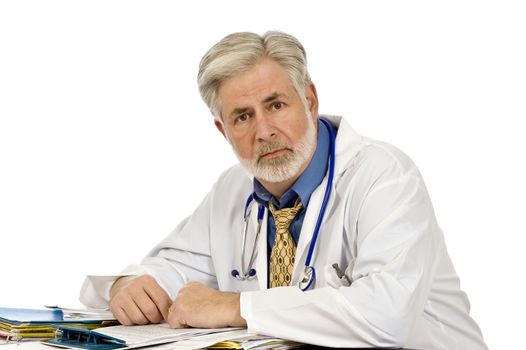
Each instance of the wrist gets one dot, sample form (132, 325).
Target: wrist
(236, 320)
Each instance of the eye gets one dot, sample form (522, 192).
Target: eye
(243, 117)
(277, 105)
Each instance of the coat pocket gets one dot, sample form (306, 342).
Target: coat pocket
(335, 276)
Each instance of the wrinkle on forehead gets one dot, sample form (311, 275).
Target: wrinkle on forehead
(252, 87)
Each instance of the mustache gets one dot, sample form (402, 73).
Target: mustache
(269, 147)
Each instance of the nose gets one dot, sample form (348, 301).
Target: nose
(265, 127)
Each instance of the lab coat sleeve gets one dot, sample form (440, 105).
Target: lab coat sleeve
(182, 256)
(396, 245)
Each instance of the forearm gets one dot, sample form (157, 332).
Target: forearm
(329, 316)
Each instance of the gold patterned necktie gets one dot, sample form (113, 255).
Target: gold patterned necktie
(284, 249)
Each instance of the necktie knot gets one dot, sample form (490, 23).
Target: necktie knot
(283, 217)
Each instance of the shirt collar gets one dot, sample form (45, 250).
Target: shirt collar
(307, 182)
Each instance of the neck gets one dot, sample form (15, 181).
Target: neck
(278, 189)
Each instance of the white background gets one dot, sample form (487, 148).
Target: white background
(105, 144)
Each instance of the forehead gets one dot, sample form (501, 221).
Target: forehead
(251, 87)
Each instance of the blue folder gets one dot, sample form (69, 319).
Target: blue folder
(74, 337)
(25, 316)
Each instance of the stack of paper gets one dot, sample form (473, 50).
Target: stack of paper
(16, 324)
(84, 314)
(252, 341)
(162, 337)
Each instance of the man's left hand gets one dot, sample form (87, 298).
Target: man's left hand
(199, 306)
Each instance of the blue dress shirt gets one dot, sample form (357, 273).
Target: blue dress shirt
(302, 188)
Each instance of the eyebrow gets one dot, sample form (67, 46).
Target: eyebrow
(273, 97)
(269, 98)
(238, 111)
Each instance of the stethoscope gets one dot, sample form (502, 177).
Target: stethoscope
(309, 273)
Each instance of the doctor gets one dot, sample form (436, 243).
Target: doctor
(320, 235)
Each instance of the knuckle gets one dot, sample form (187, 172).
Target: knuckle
(134, 284)
(149, 309)
(147, 279)
(155, 294)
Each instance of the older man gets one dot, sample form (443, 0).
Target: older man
(340, 246)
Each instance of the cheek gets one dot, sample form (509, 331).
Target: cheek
(296, 133)
(243, 147)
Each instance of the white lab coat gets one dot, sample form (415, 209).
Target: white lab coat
(379, 227)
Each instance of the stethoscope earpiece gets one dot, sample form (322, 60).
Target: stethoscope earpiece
(251, 274)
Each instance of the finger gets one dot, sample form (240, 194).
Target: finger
(159, 297)
(121, 316)
(133, 311)
(173, 319)
(147, 307)
(118, 312)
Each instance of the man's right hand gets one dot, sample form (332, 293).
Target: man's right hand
(139, 300)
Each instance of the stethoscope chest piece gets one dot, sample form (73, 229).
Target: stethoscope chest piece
(307, 278)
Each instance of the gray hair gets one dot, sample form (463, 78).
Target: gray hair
(239, 52)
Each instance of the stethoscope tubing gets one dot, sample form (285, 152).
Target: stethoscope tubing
(328, 191)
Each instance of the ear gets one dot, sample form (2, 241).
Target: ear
(220, 127)
(312, 99)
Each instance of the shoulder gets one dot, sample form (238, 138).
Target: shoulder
(376, 164)
(354, 151)
(380, 157)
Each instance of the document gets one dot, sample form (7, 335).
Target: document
(151, 334)
(162, 337)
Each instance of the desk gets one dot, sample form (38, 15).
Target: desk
(31, 345)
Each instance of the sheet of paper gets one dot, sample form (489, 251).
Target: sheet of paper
(253, 340)
(155, 333)
(196, 342)
(84, 314)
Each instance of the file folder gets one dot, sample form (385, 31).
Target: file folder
(74, 337)
(17, 324)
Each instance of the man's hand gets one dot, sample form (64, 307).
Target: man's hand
(139, 300)
(199, 306)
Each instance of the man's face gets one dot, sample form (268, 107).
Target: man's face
(271, 130)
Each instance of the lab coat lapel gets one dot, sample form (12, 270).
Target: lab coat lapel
(346, 147)
(307, 230)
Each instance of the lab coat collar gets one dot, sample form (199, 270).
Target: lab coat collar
(348, 143)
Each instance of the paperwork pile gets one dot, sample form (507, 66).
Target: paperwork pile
(17, 324)
(162, 337)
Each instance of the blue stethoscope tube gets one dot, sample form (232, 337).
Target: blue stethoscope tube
(309, 273)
